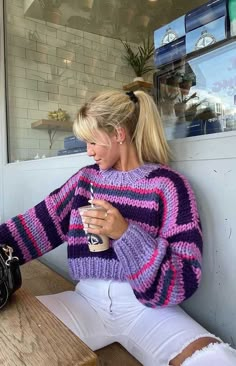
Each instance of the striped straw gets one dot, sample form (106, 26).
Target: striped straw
(91, 193)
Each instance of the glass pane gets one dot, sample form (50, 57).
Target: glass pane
(61, 52)
(52, 68)
(198, 96)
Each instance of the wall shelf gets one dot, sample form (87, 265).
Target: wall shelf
(138, 85)
(52, 124)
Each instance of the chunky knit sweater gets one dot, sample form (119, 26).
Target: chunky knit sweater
(160, 252)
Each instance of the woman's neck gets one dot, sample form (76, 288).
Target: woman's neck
(128, 158)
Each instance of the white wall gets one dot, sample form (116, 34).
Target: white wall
(210, 164)
(27, 183)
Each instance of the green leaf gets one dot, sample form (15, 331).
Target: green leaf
(138, 59)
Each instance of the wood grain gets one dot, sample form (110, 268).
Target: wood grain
(42, 280)
(31, 335)
(115, 355)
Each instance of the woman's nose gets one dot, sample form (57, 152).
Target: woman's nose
(90, 150)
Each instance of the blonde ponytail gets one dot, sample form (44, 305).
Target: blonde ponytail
(149, 136)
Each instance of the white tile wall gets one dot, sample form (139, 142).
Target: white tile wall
(39, 80)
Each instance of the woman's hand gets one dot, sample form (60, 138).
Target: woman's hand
(108, 221)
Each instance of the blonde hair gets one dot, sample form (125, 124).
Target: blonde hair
(113, 109)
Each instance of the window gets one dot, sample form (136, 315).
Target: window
(51, 69)
(198, 96)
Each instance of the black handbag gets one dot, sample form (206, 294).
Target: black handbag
(10, 275)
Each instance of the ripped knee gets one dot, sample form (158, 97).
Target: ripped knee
(216, 354)
(196, 345)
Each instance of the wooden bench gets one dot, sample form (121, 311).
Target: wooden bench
(31, 335)
(42, 280)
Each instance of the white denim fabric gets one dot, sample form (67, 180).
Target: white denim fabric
(101, 312)
(213, 355)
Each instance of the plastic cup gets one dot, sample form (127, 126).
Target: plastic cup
(96, 243)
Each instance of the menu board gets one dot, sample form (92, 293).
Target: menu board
(206, 35)
(205, 14)
(199, 28)
(170, 52)
(170, 32)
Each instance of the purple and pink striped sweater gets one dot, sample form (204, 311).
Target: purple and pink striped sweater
(159, 254)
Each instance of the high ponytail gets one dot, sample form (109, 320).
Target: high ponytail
(149, 137)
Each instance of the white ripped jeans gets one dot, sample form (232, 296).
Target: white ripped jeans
(102, 312)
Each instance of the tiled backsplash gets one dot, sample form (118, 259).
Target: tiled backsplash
(51, 67)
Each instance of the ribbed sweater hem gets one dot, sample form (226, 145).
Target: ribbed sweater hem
(95, 268)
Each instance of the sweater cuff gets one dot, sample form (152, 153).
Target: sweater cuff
(136, 245)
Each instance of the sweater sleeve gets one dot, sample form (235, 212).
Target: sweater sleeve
(166, 269)
(41, 228)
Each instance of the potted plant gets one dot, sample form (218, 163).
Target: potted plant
(139, 59)
(59, 115)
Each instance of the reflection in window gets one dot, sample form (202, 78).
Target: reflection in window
(51, 70)
(198, 96)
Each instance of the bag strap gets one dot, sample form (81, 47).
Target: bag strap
(8, 251)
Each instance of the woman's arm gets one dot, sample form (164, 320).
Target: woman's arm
(43, 227)
(165, 270)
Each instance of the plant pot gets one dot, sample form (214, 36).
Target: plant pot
(180, 109)
(138, 78)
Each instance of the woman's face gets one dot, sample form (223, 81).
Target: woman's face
(106, 152)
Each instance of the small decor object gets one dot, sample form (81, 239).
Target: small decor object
(10, 275)
(139, 60)
(72, 142)
(59, 115)
(37, 156)
(72, 145)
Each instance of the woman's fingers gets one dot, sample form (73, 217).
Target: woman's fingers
(108, 221)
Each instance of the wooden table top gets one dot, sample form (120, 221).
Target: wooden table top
(31, 335)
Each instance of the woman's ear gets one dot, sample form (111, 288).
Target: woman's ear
(120, 134)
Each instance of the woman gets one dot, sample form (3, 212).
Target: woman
(130, 292)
